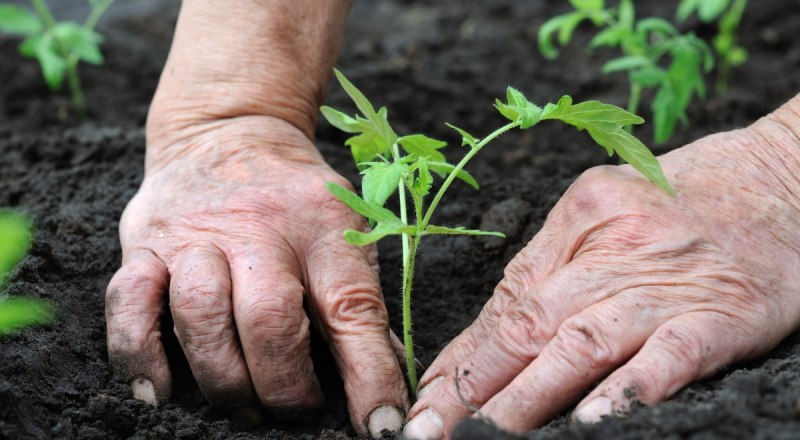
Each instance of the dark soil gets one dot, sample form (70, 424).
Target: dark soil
(429, 62)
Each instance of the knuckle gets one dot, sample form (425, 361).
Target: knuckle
(583, 344)
(356, 306)
(522, 332)
(684, 345)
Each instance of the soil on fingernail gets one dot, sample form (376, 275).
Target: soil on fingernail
(429, 63)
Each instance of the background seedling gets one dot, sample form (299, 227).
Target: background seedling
(644, 45)
(57, 46)
(729, 12)
(407, 164)
(15, 313)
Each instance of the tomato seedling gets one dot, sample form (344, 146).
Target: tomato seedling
(57, 46)
(15, 313)
(643, 43)
(729, 12)
(407, 164)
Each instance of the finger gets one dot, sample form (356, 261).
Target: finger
(681, 351)
(347, 299)
(584, 349)
(201, 305)
(549, 250)
(133, 313)
(520, 334)
(274, 331)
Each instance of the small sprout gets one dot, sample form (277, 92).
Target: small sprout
(57, 46)
(644, 44)
(15, 239)
(405, 165)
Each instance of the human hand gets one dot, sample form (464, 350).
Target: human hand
(634, 289)
(233, 221)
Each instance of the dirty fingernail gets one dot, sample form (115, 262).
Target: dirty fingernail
(427, 425)
(143, 390)
(384, 419)
(595, 410)
(429, 387)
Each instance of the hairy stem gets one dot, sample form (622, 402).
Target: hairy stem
(452, 176)
(408, 339)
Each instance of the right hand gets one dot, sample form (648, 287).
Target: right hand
(234, 223)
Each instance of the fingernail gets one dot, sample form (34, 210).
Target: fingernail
(384, 419)
(429, 387)
(425, 426)
(595, 410)
(143, 390)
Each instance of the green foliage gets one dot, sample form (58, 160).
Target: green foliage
(654, 55)
(58, 46)
(15, 238)
(386, 171)
(729, 13)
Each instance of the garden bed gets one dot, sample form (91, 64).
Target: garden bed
(429, 62)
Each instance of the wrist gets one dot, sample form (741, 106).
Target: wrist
(248, 58)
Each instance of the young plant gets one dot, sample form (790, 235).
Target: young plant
(407, 164)
(729, 12)
(15, 313)
(57, 46)
(644, 45)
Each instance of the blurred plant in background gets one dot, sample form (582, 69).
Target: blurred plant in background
(16, 234)
(57, 46)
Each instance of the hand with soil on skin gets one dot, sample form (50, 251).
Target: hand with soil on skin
(641, 292)
(234, 224)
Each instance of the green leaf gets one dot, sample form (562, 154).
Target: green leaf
(626, 63)
(15, 20)
(369, 210)
(340, 120)
(78, 40)
(656, 25)
(443, 230)
(53, 65)
(366, 146)
(15, 239)
(466, 138)
(381, 230)
(519, 109)
(607, 37)
(709, 10)
(443, 169)
(16, 313)
(648, 76)
(546, 31)
(423, 146)
(684, 79)
(587, 5)
(568, 27)
(605, 124)
(424, 181)
(737, 56)
(686, 8)
(626, 15)
(380, 181)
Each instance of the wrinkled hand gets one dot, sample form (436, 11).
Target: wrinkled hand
(634, 289)
(234, 223)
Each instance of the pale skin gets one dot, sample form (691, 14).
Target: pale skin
(624, 286)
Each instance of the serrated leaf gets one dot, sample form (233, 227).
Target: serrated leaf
(423, 146)
(381, 230)
(519, 109)
(466, 138)
(15, 20)
(16, 313)
(380, 181)
(460, 230)
(367, 209)
(605, 124)
(366, 146)
(443, 169)
(626, 63)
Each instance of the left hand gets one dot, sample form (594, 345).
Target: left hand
(630, 288)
